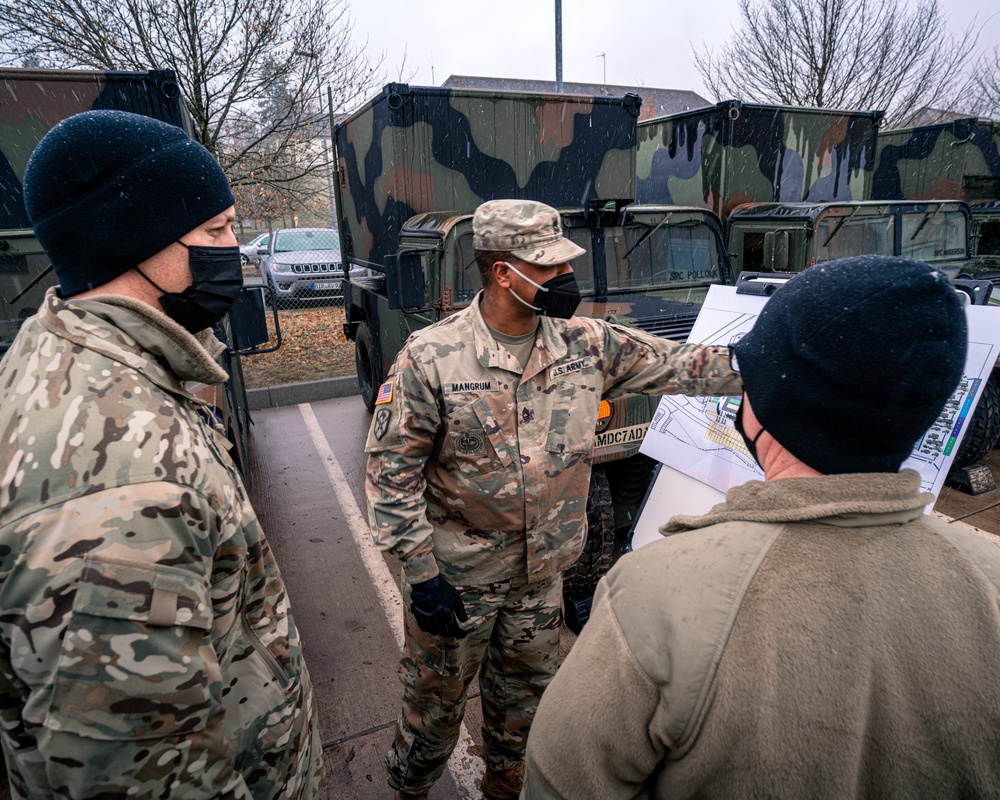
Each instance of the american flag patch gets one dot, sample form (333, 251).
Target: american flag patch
(384, 394)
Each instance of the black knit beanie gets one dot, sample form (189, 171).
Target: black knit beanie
(851, 361)
(106, 190)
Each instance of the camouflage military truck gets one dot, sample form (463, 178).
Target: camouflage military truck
(957, 160)
(32, 102)
(734, 153)
(789, 237)
(412, 166)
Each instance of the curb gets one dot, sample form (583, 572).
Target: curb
(966, 526)
(307, 392)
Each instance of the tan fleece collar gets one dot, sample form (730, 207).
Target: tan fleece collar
(146, 331)
(843, 500)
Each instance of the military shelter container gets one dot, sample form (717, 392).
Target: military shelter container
(413, 150)
(735, 153)
(957, 160)
(33, 100)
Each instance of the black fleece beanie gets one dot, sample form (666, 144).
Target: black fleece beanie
(851, 361)
(106, 190)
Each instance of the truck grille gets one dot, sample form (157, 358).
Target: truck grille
(676, 327)
(309, 269)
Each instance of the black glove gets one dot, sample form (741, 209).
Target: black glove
(437, 608)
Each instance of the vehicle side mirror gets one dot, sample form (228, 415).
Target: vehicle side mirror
(248, 320)
(262, 251)
(404, 280)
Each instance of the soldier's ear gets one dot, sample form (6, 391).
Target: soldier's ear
(501, 274)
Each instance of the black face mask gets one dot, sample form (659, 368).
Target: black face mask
(558, 297)
(751, 444)
(218, 278)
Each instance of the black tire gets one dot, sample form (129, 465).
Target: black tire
(244, 260)
(983, 429)
(368, 362)
(599, 549)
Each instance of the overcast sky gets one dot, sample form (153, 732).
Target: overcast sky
(644, 42)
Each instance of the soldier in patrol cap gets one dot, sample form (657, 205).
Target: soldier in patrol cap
(147, 644)
(478, 474)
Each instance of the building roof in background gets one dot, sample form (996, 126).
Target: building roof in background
(928, 115)
(655, 102)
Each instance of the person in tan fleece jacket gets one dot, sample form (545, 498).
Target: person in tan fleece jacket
(816, 635)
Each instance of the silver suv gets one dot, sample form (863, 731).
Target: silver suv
(303, 264)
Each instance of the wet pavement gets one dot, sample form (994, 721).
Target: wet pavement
(307, 486)
(980, 511)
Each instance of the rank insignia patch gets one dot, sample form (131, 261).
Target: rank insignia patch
(384, 394)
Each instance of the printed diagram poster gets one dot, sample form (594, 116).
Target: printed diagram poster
(696, 434)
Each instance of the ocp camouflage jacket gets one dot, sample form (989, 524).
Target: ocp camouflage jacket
(491, 468)
(147, 645)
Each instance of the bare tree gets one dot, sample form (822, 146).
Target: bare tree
(250, 72)
(852, 54)
(986, 90)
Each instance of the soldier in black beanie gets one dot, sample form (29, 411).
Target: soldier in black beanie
(146, 643)
(817, 634)
(109, 191)
(851, 361)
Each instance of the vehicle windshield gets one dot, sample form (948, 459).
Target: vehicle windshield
(655, 256)
(934, 235)
(295, 241)
(844, 236)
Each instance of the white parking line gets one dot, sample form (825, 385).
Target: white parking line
(465, 767)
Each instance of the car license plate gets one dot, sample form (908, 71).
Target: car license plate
(320, 285)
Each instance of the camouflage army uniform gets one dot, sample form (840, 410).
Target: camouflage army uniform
(480, 473)
(148, 648)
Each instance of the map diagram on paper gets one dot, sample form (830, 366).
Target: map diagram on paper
(696, 435)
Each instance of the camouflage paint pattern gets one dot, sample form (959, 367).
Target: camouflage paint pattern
(417, 149)
(734, 153)
(958, 160)
(148, 644)
(490, 466)
(33, 101)
(513, 645)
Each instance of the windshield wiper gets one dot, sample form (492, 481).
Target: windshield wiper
(840, 224)
(646, 235)
(927, 218)
(24, 291)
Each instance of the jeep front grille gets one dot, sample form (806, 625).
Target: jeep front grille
(309, 269)
(676, 327)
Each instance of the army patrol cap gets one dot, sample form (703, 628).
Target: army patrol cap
(524, 228)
